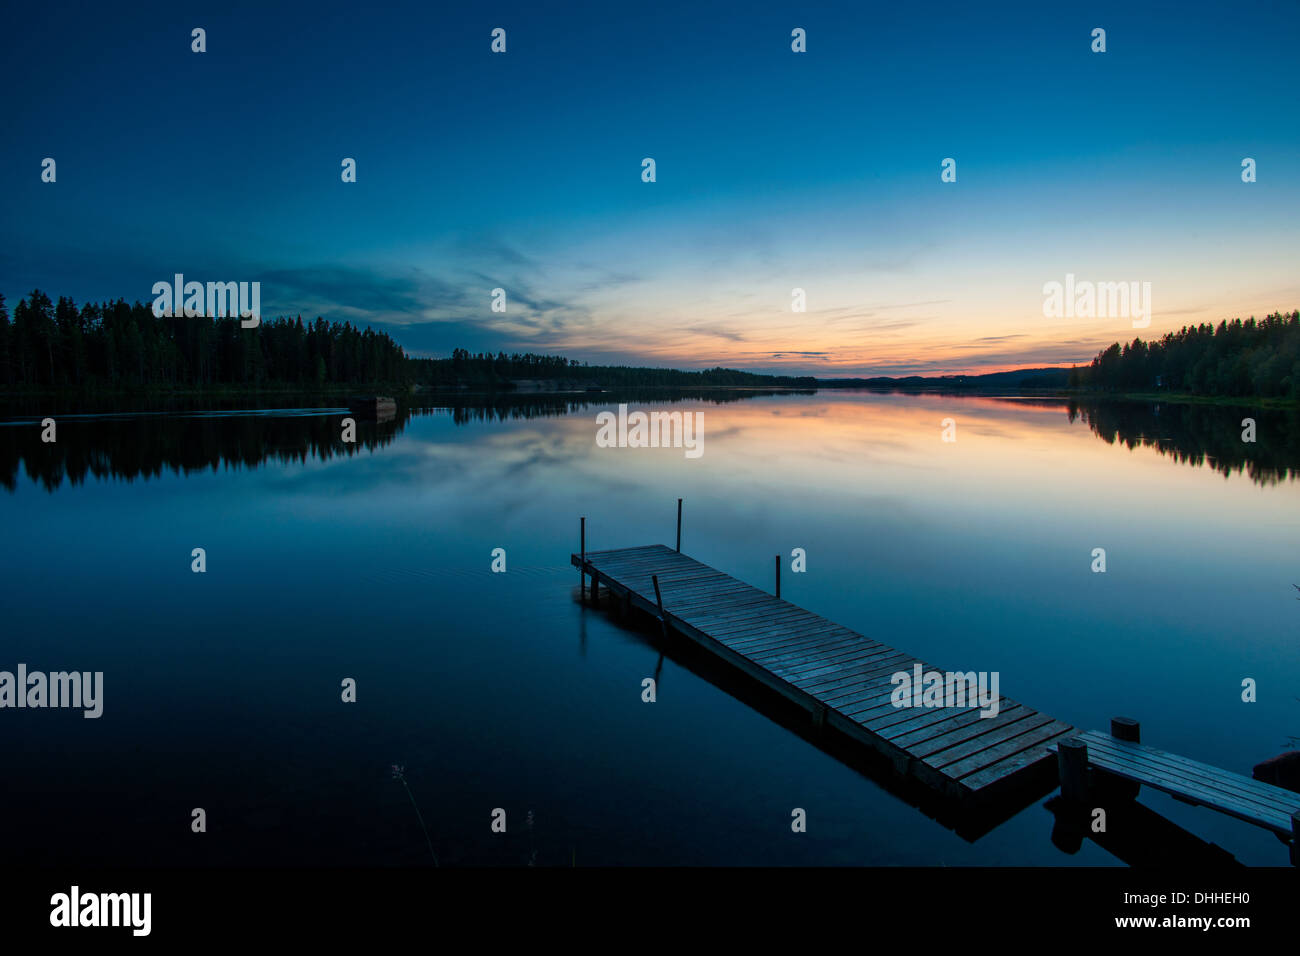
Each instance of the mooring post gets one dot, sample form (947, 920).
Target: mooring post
(679, 525)
(582, 567)
(659, 599)
(1072, 767)
(778, 577)
(1127, 729)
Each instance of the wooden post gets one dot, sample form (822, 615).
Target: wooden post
(1295, 838)
(659, 599)
(1072, 767)
(778, 577)
(679, 525)
(595, 588)
(1128, 729)
(582, 568)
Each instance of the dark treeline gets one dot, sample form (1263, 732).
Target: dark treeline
(58, 346)
(1021, 379)
(500, 370)
(1250, 358)
(50, 345)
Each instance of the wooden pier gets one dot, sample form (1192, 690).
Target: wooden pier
(841, 677)
(1093, 763)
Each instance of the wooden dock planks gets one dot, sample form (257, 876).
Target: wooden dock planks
(840, 676)
(1188, 780)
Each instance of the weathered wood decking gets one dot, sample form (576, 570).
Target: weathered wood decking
(840, 676)
(1193, 782)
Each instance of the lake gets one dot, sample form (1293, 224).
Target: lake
(372, 561)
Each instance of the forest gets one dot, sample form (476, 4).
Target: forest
(111, 346)
(1236, 358)
(48, 346)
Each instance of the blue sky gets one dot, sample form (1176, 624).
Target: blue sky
(775, 170)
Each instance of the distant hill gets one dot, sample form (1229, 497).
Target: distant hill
(529, 372)
(1044, 378)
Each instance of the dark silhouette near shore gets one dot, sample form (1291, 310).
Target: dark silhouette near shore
(1251, 358)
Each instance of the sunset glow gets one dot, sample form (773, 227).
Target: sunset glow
(775, 172)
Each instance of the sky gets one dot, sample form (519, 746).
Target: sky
(774, 171)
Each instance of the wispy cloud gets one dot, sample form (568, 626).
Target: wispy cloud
(435, 309)
(719, 332)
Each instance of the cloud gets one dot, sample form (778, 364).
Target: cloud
(346, 292)
(718, 332)
(494, 250)
(431, 311)
(911, 305)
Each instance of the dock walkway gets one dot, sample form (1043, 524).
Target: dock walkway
(1184, 779)
(840, 676)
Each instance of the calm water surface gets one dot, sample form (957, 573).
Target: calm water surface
(222, 690)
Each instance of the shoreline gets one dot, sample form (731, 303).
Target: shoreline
(416, 394)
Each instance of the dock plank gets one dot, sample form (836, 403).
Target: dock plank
(832, 670)
(1254, 801)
